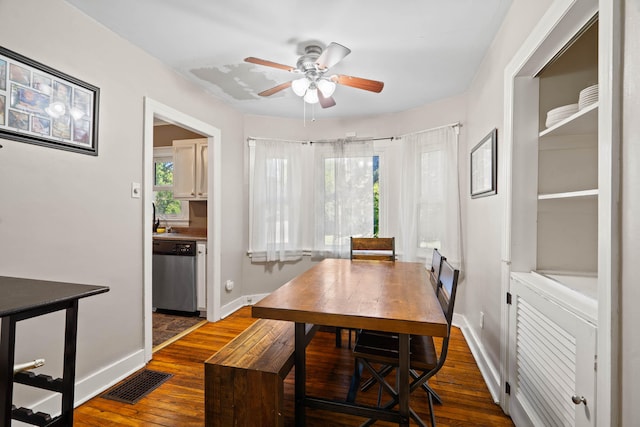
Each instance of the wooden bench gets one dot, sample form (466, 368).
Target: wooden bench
(244, 381)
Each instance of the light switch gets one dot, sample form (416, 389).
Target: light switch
(136, 190)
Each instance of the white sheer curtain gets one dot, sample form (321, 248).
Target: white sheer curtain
(276, 233)
(343, 195)
(430, 196)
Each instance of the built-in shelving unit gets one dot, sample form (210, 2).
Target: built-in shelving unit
(567, 197)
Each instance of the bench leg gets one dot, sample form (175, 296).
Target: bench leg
(300, 375)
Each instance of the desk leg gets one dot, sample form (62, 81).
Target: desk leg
(403, 387)
(69, 369)
(300, 374)
(7, 359)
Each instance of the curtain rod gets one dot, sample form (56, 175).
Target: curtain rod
(253, 138)
(391, 138)
(453, 125)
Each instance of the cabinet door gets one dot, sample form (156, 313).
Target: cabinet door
(202, 166)
(184, 167)
(552, 362)
(201, 276)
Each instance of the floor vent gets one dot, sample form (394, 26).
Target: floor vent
(138, 386)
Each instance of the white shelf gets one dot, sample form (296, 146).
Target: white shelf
(584, 121)
(569, 194)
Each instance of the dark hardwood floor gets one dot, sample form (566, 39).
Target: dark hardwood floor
(180, 400)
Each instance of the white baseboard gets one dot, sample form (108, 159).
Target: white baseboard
(92, 385)
(238, 303)
(487, 369)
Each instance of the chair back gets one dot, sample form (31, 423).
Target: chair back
(446, 292)
(373, 248)
(436, 264)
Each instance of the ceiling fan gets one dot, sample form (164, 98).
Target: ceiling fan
(315, 86)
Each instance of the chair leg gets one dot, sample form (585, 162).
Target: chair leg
(371, 381)
(427, 388)
(431, 414)
(355, 382)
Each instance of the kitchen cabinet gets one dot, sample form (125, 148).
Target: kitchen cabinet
(190, 175)
(201, 276)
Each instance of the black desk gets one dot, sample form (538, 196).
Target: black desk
(25, 298)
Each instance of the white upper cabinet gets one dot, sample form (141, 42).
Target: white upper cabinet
(190, 158)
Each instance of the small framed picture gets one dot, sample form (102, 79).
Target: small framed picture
(43, 106)
(484, 166)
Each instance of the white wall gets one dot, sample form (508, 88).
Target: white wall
(483, 218)
(69, 217)
(630, 206)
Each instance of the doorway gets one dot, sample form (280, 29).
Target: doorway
(154, 111)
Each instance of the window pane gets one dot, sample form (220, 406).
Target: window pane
(164, 173)
(166, 204)
(430, 217)
(350, 204)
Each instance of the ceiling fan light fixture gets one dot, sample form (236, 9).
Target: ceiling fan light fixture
(311, 97)
(327, 87)
(300, 86)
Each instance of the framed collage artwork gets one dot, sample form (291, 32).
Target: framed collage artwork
(40, 105)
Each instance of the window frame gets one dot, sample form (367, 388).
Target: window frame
(164, 154)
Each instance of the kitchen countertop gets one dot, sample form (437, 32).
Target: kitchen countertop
(182, 234)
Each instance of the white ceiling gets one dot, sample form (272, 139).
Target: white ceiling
(423, 50)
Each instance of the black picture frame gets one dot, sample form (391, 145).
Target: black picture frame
(484, 166)
(43, 106)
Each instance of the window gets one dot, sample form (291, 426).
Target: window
(430, 219)
(350, 200)
(311, 198)
(276, 214)
(167, 208)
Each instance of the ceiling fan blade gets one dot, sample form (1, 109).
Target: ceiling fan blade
(358, 83)
(275, 89)
(266, 63)
(325, 102)
(332, 55)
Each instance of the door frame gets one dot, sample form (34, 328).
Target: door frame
(154, 109)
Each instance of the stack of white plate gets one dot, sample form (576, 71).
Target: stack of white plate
(588, 96)
(559, 114)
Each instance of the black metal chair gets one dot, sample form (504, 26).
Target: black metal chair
(375, 348)
(434, 278)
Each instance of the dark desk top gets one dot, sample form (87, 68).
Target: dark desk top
(19, 295)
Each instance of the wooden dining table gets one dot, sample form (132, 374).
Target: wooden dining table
(377, 295)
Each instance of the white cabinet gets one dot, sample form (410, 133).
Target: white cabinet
(190, 158)
(553, 340)
(201, 276)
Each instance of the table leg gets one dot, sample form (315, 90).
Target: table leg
(7, 346)
(69, 369)
(300, 373)
(403, 379)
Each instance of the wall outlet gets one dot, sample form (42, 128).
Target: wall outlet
(229, 285)
(482, 320)
(249, 300)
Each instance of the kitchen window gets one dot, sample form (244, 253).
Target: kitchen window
(168, 209)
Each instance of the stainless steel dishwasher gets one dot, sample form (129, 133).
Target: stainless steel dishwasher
(174, 275)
